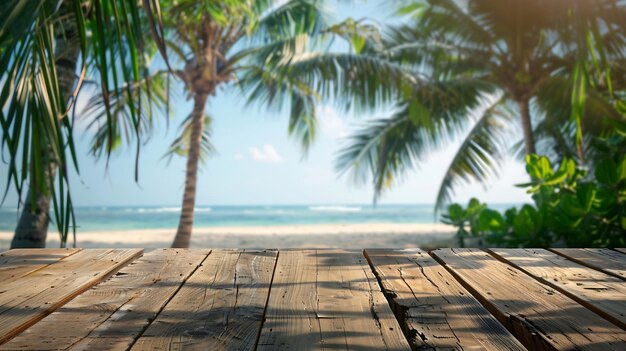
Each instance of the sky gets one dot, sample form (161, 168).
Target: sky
(258, 164)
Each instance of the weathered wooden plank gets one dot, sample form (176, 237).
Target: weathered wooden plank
(291, 317)
(538, 315)
(327, 299)
(604, 260)
(111, 315)
(351, 306)
(622, 250)
(30, 298)
(17, 263)
(601, 293)
(433, 308)
(220, 307)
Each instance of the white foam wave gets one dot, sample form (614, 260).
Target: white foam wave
(266, 212)
(164, 210)
(158, 210)
(335, 209)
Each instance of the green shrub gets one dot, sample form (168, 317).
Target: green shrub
(572, 206)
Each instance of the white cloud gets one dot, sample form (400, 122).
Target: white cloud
(265, 154)
(332, 124)
(238, 156)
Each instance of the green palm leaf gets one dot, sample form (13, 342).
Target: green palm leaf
(386, 148)
(180, 145)
(479, 155)
(122, 127)
(41, 41)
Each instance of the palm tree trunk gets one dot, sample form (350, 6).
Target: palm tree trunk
(32, 227)
(529, 140)
(185, 224)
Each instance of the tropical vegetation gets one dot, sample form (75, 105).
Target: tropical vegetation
(271, 50)
(507, 77)
(48, 50)
(522, 77)
(572, 207)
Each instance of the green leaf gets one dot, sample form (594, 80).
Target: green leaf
(571, 206)
(556, 178)
(538, 167)
(621, 169)
(413, 8)
(509, 215)
(606, 199)
(568, 166)
(607, 172)
(358, 42)
(586, 194)
(456, 213)
(474, 206)
(490, 220)
(418, 114)
(527, 222)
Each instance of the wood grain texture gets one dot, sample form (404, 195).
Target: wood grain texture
(30, 298)
(605, 260)
(220, 307)
(291, 317)
(538, 315)
(111, 315)
(17, 263)
(328, 299)
(433, 308)
(600, 292)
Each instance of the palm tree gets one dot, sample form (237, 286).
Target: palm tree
(534, 61)
(243, 42)
(42, 43)
(267, 49)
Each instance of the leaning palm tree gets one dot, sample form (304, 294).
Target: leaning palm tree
(496, 62)
(47, 48)
(268, 50)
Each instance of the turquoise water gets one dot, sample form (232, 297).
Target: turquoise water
(155, 217)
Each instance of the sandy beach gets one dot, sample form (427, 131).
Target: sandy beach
(350, 236)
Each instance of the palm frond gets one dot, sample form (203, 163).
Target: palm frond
(368, 154)
(479, 155)
(386, 148)
(122, 126)
(36, 99)
(450, 19)
(180, 146)
(290, 18)
(363, 82)
(32, 101)
(273, 90)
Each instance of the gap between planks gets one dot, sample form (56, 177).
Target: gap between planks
(17, 263)
(113, 314)
(434, 310)
(605, 260)
(539, 316)
(325, 299)
(27, 300)
(220, 306)
(599, 292)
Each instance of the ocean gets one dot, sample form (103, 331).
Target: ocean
(158, 217)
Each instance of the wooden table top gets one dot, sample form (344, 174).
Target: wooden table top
(310, 299)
